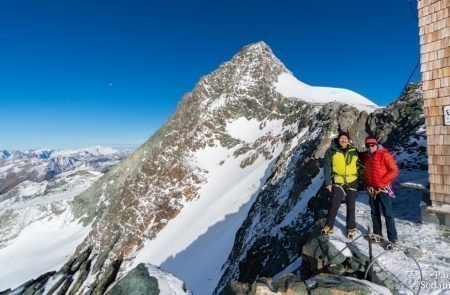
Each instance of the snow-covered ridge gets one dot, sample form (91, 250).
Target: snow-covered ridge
(291, 87)
(51, 153)
(167, 282)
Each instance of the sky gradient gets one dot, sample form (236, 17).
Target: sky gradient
(91, 72)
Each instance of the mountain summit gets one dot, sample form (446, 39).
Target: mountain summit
(256, 63)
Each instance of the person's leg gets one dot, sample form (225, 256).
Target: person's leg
(376, 214)
(350, 200)
(336, 198)
(386, 205)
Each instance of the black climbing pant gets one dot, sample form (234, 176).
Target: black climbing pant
(337, 195)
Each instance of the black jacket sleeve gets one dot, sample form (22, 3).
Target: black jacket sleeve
(327, 167)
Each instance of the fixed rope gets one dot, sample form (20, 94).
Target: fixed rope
(369, 235)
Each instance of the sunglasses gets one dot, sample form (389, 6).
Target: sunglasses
(370, 145)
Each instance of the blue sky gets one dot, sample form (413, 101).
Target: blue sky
(89, 72)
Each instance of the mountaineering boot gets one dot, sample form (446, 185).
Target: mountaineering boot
(391, 246)
(375, 239)
(351, 234)
(327, 230)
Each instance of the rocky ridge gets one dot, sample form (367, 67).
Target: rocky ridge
(289, 205)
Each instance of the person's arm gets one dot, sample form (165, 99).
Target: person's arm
(327, 169)
(392, 169)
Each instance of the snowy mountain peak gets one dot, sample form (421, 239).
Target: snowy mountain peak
(246, 78)
(258, 54)
(255, 73)
(258, 47)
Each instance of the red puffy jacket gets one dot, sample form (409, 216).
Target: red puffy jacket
(380, 168)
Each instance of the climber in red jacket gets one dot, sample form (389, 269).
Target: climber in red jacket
(380, 169)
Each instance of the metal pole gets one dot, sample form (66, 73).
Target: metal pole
(370, 254)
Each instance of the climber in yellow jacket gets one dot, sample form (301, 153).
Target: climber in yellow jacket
(341, 180)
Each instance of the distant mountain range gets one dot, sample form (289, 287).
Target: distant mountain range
(45, 164)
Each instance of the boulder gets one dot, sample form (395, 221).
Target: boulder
(329, 284)
(137, 281)
(285, 285)
(319, 252)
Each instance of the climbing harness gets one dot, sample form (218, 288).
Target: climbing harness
(373, 192)
(343, 187)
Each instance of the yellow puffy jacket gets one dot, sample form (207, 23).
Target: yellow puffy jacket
(340, 166)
